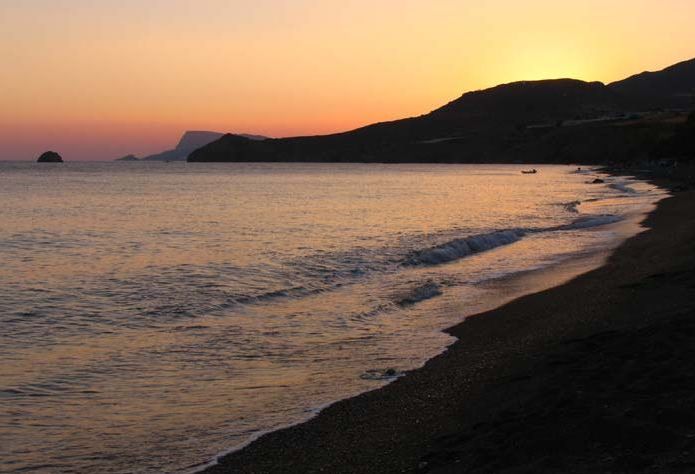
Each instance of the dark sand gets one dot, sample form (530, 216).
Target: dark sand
(596, 375)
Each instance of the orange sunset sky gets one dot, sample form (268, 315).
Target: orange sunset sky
(98, 79)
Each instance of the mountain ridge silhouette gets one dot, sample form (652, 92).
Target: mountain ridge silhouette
(525, 121)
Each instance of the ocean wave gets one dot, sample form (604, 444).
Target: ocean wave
(464, 247)
(155, 295)
(461, 248)
(330, 276)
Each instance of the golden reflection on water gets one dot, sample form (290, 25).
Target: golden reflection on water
(155, 315)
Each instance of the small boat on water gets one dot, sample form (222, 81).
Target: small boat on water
(533, 171)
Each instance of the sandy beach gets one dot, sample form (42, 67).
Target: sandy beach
(595, 375)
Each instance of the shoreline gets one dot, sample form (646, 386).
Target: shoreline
(533, 280)
(399, 427)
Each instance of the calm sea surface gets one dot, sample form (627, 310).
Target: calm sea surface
(154, 315)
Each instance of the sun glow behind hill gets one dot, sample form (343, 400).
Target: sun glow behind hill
(102, 79)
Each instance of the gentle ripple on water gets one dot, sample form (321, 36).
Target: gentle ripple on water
(157, 314)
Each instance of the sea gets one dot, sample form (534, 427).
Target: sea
(156, 315)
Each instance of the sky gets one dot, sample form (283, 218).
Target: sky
(98, 79)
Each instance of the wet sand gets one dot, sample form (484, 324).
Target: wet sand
(595, 375)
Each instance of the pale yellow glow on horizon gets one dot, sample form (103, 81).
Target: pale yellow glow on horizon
(133, 75)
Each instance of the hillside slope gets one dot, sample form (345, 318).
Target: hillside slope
(673, 87)
(563, 120)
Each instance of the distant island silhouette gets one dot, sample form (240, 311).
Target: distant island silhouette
(50, 157)
(190, 141)
(548, 121)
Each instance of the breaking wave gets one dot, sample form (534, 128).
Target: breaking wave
(460, 248)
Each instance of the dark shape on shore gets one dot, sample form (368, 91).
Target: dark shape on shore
(128, 158)
(50, 157)
(189, 142)
(533, 171)
(551, 121)
(598, 181)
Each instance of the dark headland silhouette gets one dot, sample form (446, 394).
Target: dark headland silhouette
(50, 157)
(551, 121)
(190, 141)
